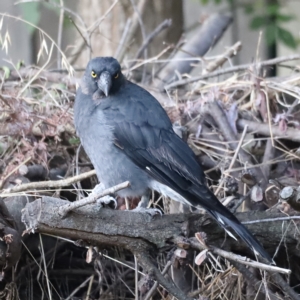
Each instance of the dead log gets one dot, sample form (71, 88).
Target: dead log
(134, 231)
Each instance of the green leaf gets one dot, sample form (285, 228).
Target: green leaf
(286, 37)
(218, 1)
(31, 13)
(271, 33)
(248, 9)
(284, 18)
(258, 22)
(204, 2)
(74, 141)
(20, 64)
(273, 9)
(6, 72)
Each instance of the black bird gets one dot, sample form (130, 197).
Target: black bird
(128, 136)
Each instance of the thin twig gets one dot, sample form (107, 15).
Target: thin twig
(136, 278)
(268, 156)
(165, 24)
(272, 220)
(63, 210)
(59, 33)
(240, 201)
(217, 113)
(284, 286)
(238, 258)
(252, 280)
(232, 51)
(121, 44)
(83, 284)
(45, 266)
(143, 31)
(133, 28)
(150, 267)
(155, 285)
(88, 294)
(233, 159)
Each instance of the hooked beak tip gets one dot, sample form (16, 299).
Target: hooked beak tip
(105, 93)
(104, 83)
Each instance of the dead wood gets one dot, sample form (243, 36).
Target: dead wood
(135, 231)
(292, 134)
(205, 38)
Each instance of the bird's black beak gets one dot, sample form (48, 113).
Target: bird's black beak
(104, 83)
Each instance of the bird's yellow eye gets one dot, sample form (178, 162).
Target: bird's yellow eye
(93, 74)
(117, 75)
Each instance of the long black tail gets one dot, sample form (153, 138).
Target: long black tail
(201, 196)
(242, 232)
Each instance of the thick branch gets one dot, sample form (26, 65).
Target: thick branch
(134, 230)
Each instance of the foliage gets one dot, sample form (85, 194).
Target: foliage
(266, 17)
(31, 13)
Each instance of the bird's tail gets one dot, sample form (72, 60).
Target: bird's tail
(224, 217)
(242, 232)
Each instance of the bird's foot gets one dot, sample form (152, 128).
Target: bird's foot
(106, 200)
(151, 211)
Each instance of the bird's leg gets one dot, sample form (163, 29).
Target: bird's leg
(106, 200)
(142, 206)
(145, 199)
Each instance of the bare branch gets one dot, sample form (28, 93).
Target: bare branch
(47, 184)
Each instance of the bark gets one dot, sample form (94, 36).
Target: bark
(136, 231)
(203, 39)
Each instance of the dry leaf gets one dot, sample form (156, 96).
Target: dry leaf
(201, 237)
(257, 193)
(200, 258)
(89, 255)
(180, 253)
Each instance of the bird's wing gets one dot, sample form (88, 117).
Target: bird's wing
(160, 152)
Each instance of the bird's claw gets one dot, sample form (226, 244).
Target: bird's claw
(107, 201)
(151, 211)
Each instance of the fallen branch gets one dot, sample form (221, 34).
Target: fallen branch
(238, 258)
(239, 68)
(143, 234)
(47, 184)
(264, 129)
(203, 39)
(114, 227)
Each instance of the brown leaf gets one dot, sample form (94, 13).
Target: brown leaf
(200, 258)
(257, 193)
(201, 237)
(89, 255)
(180, 253)
(282, 125)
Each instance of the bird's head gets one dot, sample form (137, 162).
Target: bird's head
(102, 77)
